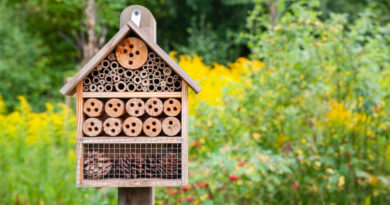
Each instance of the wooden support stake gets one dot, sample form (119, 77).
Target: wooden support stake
(135, 196)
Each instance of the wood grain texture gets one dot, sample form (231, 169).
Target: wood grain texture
(184, 133)
(136, 196)
(69, 88)
(132, 53)
(131, 183)
(148, 23)
(132, 95)
(79, 133)
(128, 140)
(159, 51)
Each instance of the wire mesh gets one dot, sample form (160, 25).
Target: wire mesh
(131, 161)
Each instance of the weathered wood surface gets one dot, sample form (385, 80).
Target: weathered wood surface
(79, 134)
(184, 133)
(136, 196)
(148, 23)
(127, 140)
(132, 95)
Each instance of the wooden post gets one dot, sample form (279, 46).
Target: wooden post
(136, 196)
(142, 195)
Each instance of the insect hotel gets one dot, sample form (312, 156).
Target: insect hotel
(132, 111)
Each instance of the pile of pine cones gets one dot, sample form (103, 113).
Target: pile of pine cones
(132, 166)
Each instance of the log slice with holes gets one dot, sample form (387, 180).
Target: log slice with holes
(152, 127)
(93, 107)
(131, 53)
(171, 126)
(132, 126)
(115, 108)
(172, 107)
(92, 127)
(154, 107)
(135, 107)
(112, 126)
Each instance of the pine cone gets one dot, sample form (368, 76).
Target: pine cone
(152, 166)
(132, 166)
(170, 166)
(96, 166)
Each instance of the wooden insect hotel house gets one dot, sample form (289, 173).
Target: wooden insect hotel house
(132, 111)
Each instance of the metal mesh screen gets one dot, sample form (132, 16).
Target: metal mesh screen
(131, 161)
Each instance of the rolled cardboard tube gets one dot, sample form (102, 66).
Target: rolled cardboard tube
(130, 87)
(154, 107)
(93, 107)
(87, 81)
(92, 87)
(120, 86)
(114, 107)
(108, 87)
(167, 71)
(92, 127)
(112, 126)
(105, 63)
(95, 73)
(111, 57)
(172, 107)
(135, 107)
(171, 126)
(143, 74)
(114, 65)
(100, 88)
(152, 127)
(132, 126)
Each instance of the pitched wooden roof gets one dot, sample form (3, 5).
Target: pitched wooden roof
(70, 87)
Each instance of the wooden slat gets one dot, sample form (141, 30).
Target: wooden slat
(125, 140)
(184, 131)
(69, 87)
(148, 23)
(160, 52)
(130, 182)
(79, 133)
(131, 94)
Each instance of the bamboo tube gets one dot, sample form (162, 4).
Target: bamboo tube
(177, 84)
(113, 73)
(106, 71)
(95, 73)
(101, 75)
(163, 77)
(135, 107)
(171, 89)
(108, 87)
(154, 107)
(169, 80)
(139, 87)
(163, 83)
(130, 87)
(150, 76)
(149, 62)
(151, 55)
(132, 126)
(100, 88)
(93, 107)
(156, 81)
(105, 63)
(87, 81)
(162, 65)
(171, 126)
(144, 89)
(92, 127)
(157, 73)
(175, 77)
(92, 88)
(145, 67)
(129, 74)
(95, 80)
(150, 70)
(136, 72)
(152, 127)
(157, 60)
(127, 80)
(159, 88)
(137, 80)
(101, 82)
(165, 88)
(114, 65)
(155, 67)
(85, 88)
(151, 88)
(115, 107)
(172, 107)
(167, 71)
(99, 67)
(111, 57)
(143, 74)
(112, 126)
(145, 82)
(117, 78)
(120, 86)
(120, 71)
(108, 79)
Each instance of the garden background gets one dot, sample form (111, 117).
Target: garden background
(294, 107)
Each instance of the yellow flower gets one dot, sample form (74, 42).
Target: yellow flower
(341, 182)
(329, 170)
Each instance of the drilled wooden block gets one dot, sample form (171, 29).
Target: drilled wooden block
(154, 107)
(92, 127)
(152, 127)
(135, 107)
(171, 126)
(115, 108)
(131, 53)
(132, 126)
(172, 107)
(93, 107)
(112, 126)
